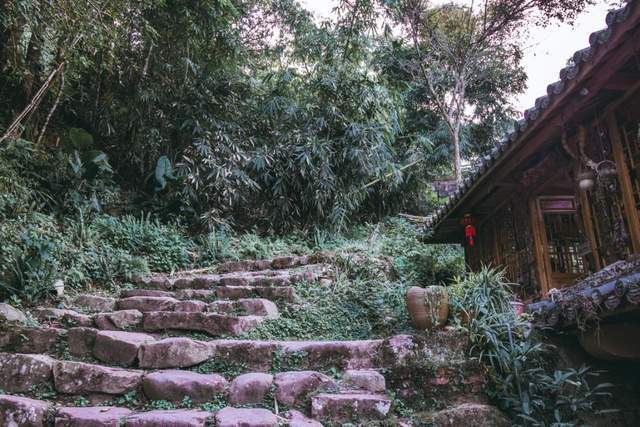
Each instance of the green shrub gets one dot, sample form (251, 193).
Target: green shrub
(523, 379)
(413, 260)
(164, 247)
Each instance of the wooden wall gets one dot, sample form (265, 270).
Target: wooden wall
(608, 215)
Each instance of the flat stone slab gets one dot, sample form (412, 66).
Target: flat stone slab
(250, 388)
(211, 323)
(365, 354)
(95, 303)
(235, 417)
(175, 385)
(258, 355)
(174, 353)
(298, 419)
(22, 412)
(81, 341)
(173, 418)
(127, 293)
(62, 316)
(253, 354)
(97, 416)
(224, 307)
(83, 378)
(118, 320)
(119, 347)
(196, 294)
(347, 407)
(285, 293)
(20, 372)
(20, 339)
(145, 304)
(246, 265)
(364, 379)
(460, 416)
(293, 388)
(11, 314)
(191, 306)
(258, 307)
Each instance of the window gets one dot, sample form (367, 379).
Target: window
(563, 243)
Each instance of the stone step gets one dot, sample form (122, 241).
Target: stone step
(174, 385)
(170, 418)
(178, 352)
(346, 407)
(243, 306)
(274, 278)
(21, 411)
(263, 355)
(279, 293)
(211, 323)
(25, 412)
(98, 416)
(245, 417)
(22, 373)
(416, 368)
(163, 313)
(278, 263)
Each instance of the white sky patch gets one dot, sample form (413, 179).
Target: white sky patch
(546, 50)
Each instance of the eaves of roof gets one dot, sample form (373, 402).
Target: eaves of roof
(597, 41)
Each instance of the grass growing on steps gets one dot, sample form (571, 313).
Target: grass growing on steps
(375, 265)
(360, 309)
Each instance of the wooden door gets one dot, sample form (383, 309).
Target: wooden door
(558, 242)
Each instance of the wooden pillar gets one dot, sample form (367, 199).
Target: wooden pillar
(497, 256)
(585, 208)
(625, 182)
(588, 228)
(540, 246)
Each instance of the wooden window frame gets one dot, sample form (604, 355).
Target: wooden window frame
(626, 186)
(541, 242)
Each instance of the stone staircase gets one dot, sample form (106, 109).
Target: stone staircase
(172, 343)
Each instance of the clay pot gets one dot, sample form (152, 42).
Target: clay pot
(428, 307)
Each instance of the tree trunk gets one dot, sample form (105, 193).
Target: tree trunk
(457, 163)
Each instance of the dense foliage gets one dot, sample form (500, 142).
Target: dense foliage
(70, 222)
(252, 112)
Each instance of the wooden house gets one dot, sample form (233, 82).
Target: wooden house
(557, 203)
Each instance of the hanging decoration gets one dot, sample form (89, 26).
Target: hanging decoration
(469, 229)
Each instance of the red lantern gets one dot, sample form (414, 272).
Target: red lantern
(469, 229)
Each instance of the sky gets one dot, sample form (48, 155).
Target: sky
(546, 50)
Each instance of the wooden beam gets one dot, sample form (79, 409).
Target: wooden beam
(626, 186)
(622, 81)
(628, 94)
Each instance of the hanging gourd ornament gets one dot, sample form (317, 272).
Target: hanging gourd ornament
(469, 229)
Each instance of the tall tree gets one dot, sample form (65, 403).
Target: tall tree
(462, 51)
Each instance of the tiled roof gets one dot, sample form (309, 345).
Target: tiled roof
(597, 40)
(613, 289)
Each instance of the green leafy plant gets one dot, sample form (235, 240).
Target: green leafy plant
(520, 365)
